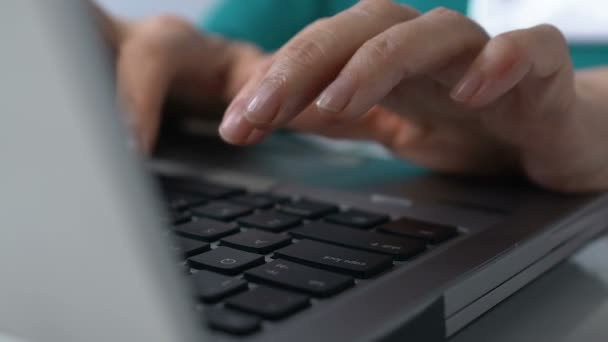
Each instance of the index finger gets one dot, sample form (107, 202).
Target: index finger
(305, 65)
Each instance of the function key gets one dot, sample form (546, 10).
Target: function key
(259, 201)
(358, 219)
(400, 248)
(270, 220)
(349, 261)
(206, 229)
(297, 277)
(232, 322)
(226, 260)
(222, 210)
(308, 209)
(256, 241)
(268, 303)
(431, 232)
(212, 287)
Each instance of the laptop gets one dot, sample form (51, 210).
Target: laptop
(100, 245)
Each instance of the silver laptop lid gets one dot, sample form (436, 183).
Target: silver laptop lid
(81, 253)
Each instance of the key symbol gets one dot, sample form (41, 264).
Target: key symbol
(228, 261)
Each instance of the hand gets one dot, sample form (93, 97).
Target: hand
(167, 56)
(436, 90)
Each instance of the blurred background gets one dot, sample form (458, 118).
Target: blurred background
(192, 9)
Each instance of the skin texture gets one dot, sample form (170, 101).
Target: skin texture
(433, 88)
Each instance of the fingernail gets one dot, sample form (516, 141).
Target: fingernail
(262, 108)
(468, 86)
(337, 95)
(234, 129)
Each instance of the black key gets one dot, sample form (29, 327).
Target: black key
(189, 247)
(222, 210)
(308, 209)
(349, 261)
(256, 241)
(226, 260)
(183, 201)
(259, 201)
(212, 287)
(200, 187)
(293, 276)
(270, 220)
(430, 232)
(268, 302)
(232, 322)
(180, 217)
(358, 219)
(399, 247)
(206, 229)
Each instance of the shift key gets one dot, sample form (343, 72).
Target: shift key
(356, 263)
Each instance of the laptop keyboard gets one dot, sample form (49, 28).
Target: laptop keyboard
(256, 257)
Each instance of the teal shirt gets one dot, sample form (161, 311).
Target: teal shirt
(271, 23)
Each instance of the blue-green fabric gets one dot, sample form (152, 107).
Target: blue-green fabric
(271, 23)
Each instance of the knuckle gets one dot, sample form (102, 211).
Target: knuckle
(552, 33)
(161, 35)
(446, 13)
(380, 49)
(164, 23)
(307, 51)
(374, 9)
(509, 42)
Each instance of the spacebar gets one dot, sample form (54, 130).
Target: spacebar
(348, 261)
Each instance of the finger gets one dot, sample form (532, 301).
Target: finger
(312, 59)
(400, 53)
(379, 125)
(506, 60)
(143, 82)
(235, 128)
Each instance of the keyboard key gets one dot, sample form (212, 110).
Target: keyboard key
(268, 302)
(430, 232)
(179, 217)
(293, 276)
(199, 187)
(212, 287)
(308, 209)
(189, 247)
(232, 322)
(206, 229)
(349, 261)
(398, 247)
(259, 201)
(270, 220)
(226, 260)
(256, 241)
(222, 210)
(183, 201)
(357, 219)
